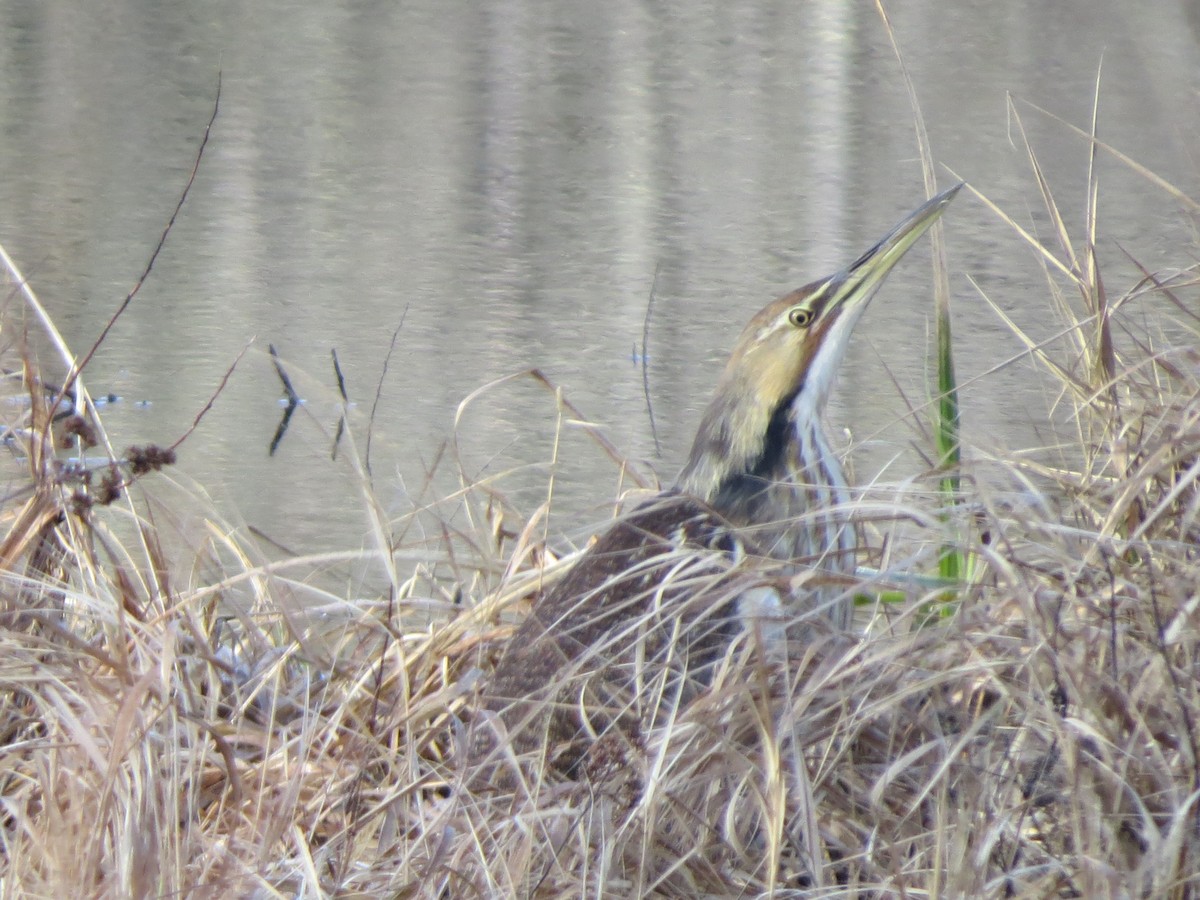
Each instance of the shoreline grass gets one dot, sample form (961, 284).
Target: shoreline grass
(184, 714)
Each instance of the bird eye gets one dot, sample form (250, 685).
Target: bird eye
(800, 316)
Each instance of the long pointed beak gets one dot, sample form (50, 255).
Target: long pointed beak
(857, 282)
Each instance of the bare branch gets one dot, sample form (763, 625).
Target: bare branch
(379, 389)
(87, 357)
(213, 399)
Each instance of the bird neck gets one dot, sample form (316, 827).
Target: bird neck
(739, 453)
(786, 489)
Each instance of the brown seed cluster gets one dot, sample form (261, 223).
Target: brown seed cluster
(77, 426)
(150, 458)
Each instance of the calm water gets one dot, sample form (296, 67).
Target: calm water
(508, 180)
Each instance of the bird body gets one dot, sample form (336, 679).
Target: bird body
(657, 592)
(661, 590)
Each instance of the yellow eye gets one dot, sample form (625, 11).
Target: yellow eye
(800, 316)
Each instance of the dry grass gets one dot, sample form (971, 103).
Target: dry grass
(182, 715)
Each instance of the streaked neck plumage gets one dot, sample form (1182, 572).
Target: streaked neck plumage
(771, 471)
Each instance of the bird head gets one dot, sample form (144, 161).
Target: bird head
(784, 363)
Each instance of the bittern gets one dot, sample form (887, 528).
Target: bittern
(761, 480)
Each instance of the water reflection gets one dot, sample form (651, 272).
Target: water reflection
(514, 176)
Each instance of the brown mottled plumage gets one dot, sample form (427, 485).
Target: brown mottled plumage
(655, 591)
(649, 608)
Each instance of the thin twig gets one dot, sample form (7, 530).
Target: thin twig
(281, 428)
(162, 240)
(341, 379)
(293, 401)
(1157, 180)
(213, 399)
(288, 390)
(1189, 728)
(379, 389)
(645, 356)
(354, 800)
(341, 383)
(595, 433)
